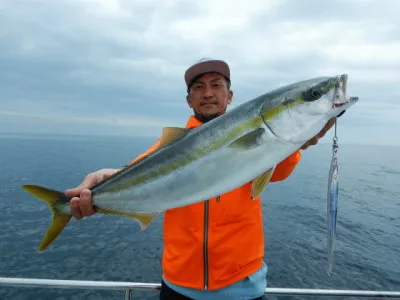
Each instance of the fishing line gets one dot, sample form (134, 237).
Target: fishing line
(335, 138)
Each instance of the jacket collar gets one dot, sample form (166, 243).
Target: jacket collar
(193, 122)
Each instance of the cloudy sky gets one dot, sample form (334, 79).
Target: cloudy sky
(116, 67)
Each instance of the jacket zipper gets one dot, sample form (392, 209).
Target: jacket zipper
(205, 247)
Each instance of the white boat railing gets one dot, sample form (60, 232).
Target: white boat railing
(129, 287)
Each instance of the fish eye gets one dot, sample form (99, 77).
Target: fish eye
(313, 94)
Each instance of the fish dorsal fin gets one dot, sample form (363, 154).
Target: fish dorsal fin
(259, 183)
(171, 134)
(249, 141)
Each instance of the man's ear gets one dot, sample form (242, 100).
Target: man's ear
(189, 102)
(230, 97)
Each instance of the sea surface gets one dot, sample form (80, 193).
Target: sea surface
(108, 247)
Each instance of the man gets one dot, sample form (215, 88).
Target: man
(213, 249)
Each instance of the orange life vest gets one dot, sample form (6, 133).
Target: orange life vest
(214, 243)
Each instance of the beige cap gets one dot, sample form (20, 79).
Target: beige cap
(207, 65)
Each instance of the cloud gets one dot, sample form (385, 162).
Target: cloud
(105, 120)
(140, 125)
(111, 63)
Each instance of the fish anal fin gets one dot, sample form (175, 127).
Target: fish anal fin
(260, 183)
(249, 141)
(144, 219)
(171, 134)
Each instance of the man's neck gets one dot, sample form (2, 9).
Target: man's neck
(205, 119)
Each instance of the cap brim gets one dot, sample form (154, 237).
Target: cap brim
(218, 66)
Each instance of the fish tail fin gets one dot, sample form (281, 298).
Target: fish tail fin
(59, 220)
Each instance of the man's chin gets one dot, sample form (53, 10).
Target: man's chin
(208, 115)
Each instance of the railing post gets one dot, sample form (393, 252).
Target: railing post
(128, 294)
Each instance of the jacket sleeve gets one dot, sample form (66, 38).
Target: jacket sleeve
(147, 152)
(286, 167)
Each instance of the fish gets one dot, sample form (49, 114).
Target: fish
(192, 165)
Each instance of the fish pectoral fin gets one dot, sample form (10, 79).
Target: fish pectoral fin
(171, 134)
(249, 140)
(59, 220)
(144, 219)
(259, 183)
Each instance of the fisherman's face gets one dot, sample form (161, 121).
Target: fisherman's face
(209, 95)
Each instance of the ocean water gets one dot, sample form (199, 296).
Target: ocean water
(102, 247)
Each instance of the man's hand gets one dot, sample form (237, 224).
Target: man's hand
(315, 139)
(81, 202)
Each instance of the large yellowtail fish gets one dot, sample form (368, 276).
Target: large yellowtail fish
(193, 165)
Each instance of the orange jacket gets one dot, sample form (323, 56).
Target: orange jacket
(214, 243)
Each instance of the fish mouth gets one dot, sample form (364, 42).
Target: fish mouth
(340, 97)
(340, 93)
(350, 101)
(335, 105)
